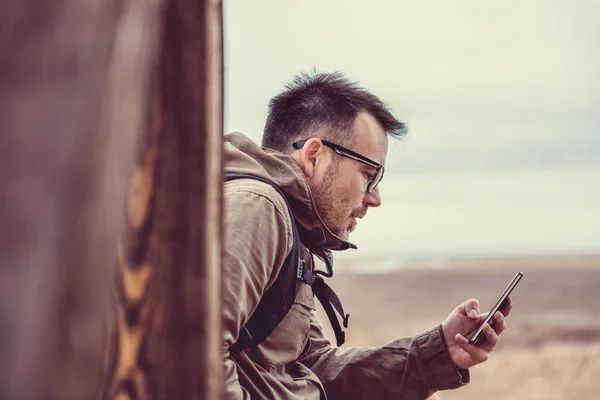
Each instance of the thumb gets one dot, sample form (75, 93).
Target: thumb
(470, 308)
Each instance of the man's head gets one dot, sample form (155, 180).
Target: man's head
(337, 133)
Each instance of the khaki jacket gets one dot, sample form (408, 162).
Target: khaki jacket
(296, 361)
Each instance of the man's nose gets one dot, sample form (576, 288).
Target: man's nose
(373, 199)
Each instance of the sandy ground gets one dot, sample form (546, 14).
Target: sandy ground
(551, 349)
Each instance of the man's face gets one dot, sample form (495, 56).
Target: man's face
(341, 195)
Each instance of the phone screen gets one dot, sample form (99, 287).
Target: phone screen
(490, 315)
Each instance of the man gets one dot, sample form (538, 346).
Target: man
(324, 145)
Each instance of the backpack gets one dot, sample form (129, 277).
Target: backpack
(278, 299)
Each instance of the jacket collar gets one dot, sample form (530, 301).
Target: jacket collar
(242, 155)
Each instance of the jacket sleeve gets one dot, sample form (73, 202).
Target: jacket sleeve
(408, 368)
(257, 238)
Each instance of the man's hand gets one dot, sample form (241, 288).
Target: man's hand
(462, 322)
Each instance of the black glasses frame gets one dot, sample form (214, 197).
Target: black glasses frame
(379, 169)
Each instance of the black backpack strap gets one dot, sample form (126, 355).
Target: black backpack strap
(278, 299)
(330, 302)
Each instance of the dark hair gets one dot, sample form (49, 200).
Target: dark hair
(325, 102)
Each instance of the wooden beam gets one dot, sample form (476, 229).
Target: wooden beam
(75, 79)
(166, 341)
(73, 89)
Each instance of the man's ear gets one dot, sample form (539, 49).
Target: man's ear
(310, 156)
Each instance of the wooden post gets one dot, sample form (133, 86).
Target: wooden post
(166, 341)
(75, 79)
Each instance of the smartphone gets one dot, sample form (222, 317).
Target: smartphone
(490, 315)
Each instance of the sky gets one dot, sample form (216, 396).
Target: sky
(501, 99)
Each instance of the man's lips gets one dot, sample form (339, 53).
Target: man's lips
(359, 215)
(353, 223)
(353, 219)
(352, 226)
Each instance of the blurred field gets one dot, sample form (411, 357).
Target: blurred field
(551, 349)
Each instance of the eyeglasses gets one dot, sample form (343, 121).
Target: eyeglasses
(377, 175)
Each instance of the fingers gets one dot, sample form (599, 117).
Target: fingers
(479, 351)
(478, 354)
(490, 332)
(506, 306)
(470, 308)
(491, 338)
(499, 323)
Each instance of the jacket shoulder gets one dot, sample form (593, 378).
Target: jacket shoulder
(257, 188)
(249, 196)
